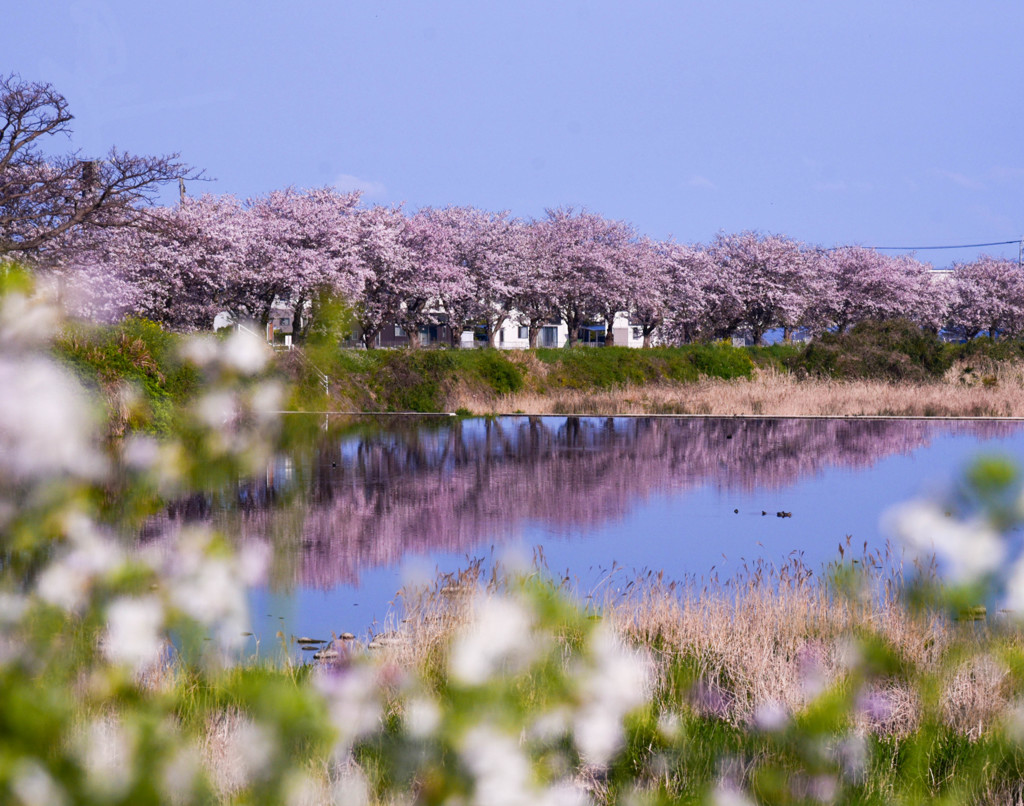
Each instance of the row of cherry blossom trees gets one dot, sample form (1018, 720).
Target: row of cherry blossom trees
(467, 268)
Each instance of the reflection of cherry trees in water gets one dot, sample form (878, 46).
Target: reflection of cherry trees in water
(366, 501)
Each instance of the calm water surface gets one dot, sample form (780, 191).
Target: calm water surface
(366, 501)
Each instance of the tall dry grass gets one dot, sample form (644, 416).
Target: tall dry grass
(769, 637)
(993, 390)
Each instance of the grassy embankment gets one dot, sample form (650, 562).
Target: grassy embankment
(887, 369)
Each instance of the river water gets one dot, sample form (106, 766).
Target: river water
(365, 503)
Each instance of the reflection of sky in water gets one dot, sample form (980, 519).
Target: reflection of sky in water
(683, 529)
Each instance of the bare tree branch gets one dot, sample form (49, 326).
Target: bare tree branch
(45, 198)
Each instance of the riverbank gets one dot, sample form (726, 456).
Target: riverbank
(773, 393)
(136, 372)
(784, 683)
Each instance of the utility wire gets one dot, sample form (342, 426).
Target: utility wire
(924, 248)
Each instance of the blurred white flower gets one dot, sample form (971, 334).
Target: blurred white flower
(216, 409)
(47, 427)
(180, 772)
(967, 551)
(301, 789)
(66, 581)
(163, 461)
(245, 352)
(501, 773)
(422, 717)
(33, 786)
(551, 725)
(200, 350)
(253, 561)
(249, 749)
(351, 788)
(617, 682)
(212, 593)
(726, 795)
(354, 703)
(499, 635)
(1015, 589)
(771, 716)
(265, 400)
(134, 631)
(12, 607)
(106, 749)
(28, 321)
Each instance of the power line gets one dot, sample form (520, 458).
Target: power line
(924, 248)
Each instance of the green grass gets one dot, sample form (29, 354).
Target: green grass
(605, 367)
(137, 353)
(422, 380)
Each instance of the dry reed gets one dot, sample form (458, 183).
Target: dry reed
(768, 637)
(994, 390)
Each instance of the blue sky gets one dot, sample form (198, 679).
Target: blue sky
(879, 123)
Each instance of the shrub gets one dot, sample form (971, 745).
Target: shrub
(896, 350)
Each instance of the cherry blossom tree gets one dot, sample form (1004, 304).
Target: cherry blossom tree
(490, 248)
(535, 298)
(865, 284)
(175, 271)
(766, 280)
(987, 295)
(650, 292)
(689, 293)
(304, 244)
(588, 272)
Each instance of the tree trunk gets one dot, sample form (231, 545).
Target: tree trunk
(493, 328)
(535, 329)
(369, 337)
(573, 323)
(609, 332)
(414, 337)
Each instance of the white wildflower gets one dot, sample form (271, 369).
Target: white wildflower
(301, 789)
(351, 787)
(217, 409)
(33, 785)
(179, 774)
(12, 607)
(47, 427)
(106, 749)
(27, 321)
(726, 795)
(200, 350)
(212, 593)
(618, 683)
(354, 703)
(551, 725)
(500, 635)
(967, 551)
(771, 716)
(245, 353)
(133, 634)
(564, 793)
(501, 773)
(253, 561)
(265, 400)
(66, 581)
(248, 752)
(422, 717)
(64, 584)
(1015, 589)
